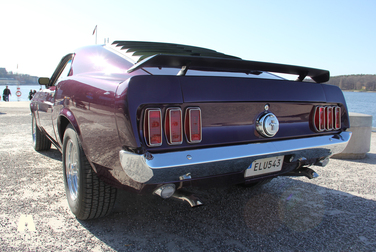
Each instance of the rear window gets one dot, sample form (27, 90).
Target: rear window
(175, 71)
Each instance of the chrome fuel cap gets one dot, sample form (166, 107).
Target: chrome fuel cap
(267, 125)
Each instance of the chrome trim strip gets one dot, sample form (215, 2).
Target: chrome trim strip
(164, 167)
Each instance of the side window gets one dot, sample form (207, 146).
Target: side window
(65, 72)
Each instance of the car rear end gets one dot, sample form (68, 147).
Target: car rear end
(193, 116)
(159, 117)
(195, 130)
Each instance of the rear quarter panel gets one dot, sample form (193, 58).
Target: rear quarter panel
(91, 103)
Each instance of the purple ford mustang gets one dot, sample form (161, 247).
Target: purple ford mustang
(159, 118)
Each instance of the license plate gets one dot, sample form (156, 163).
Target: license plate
(263, 166)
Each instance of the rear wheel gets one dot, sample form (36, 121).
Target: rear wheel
(40, 141)
(88, 196)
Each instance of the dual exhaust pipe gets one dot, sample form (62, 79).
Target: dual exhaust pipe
(169, 190)
(305, 171)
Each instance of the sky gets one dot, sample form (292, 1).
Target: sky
(339, 36)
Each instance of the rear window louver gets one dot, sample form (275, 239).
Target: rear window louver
(142, 50)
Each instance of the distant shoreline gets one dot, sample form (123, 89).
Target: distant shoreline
(28, 84)
(359, 91)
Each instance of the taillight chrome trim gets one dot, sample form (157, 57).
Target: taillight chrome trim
(326, 118)
(168, 126)
(187, 124)
(146, 126)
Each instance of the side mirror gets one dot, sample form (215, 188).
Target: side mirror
(44, 81)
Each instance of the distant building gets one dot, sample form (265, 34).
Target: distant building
(3, 71)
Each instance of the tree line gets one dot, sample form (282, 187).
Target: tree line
(23, 79)
(361, 82)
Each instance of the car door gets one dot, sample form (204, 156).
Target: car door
(46, 104)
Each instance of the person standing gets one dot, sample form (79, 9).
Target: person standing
(6, 94)
(31, 94)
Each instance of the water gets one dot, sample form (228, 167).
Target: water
(362, 102)
(359, 102)
(25, 89)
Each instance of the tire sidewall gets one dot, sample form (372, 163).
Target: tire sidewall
(34, 131)
(76, 205)
(40, 140)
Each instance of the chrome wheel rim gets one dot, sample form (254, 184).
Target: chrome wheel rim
(71, 169)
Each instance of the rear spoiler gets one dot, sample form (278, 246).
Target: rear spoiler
(228, 65)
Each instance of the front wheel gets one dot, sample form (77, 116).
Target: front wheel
(88, 196)
(40, 141)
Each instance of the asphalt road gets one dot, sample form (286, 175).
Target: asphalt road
(335, 212)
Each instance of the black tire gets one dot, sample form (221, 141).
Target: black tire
(258, 183)
(88, 196)
(40, 141)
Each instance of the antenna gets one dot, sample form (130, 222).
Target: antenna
(96, 33)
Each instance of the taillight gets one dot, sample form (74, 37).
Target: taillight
(337, 116)
(193, 127)
(327, 118)
(173, 126)
(153, 127)
(321, 118)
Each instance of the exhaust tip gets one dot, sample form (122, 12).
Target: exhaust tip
(303, 171)
(315, 175)
(191, 199)
(165, 191)
(169, 191)
(323, 162)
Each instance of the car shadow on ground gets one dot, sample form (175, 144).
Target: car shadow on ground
(52, 153)
(286, 214)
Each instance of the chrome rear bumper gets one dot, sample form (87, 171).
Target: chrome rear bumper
(168, 167)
